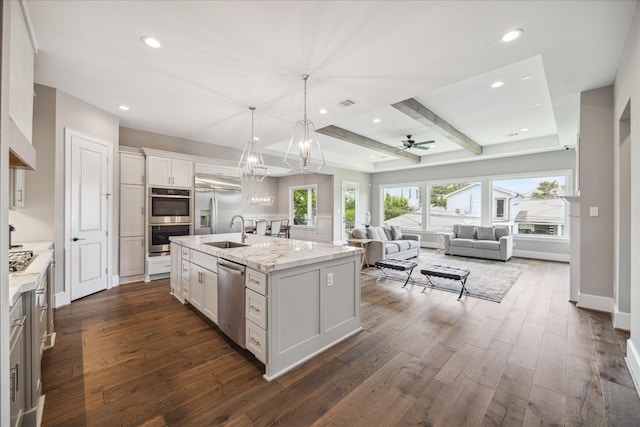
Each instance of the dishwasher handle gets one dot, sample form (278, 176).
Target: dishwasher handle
(231, 268)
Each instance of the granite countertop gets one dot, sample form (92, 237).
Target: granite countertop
(26, 280)
(266, 253)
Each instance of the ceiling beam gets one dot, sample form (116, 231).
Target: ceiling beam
(371, 144)
(422, 114)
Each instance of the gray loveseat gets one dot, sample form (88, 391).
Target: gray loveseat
(388, 242)
(493, 242)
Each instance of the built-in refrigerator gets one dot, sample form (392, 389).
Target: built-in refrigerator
(217, 200)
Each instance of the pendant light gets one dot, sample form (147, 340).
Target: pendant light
(305, 139)
(251, 165)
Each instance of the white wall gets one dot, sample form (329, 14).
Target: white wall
(627, 90)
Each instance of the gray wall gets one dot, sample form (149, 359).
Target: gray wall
(596, 190)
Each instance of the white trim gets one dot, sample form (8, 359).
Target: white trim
(633, 363)
(131, 279)
(621, 320)
(61, 299)
(595, 302)
(547, 256)
(115, 281)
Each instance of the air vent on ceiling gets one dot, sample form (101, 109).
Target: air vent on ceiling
(346, 103)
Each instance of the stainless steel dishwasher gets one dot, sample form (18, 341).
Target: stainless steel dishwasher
(231, 300)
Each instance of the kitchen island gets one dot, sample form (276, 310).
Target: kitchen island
(300, 297)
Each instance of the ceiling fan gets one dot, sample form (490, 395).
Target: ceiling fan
(410, 143)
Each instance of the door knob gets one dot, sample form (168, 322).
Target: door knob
(75, 239)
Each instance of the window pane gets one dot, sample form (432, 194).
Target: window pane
(454, 203)
(303, 203)
(530, 206)
(403, 206)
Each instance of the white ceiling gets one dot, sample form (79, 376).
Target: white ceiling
(219, 57)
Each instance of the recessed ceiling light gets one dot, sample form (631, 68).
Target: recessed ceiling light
(377, 120)
(536, 105)
(524, 130)
(497, 84)
(512, 35)
(527, 77)
(151, 42)
(323, 111)
(123, 107)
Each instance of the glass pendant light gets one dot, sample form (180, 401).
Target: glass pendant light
(251, 165)
(303, 142)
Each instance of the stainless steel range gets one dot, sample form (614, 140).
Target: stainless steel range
(19, 260)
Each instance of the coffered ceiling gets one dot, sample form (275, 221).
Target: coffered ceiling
(219, 57)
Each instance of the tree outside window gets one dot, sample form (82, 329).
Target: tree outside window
(304, 206)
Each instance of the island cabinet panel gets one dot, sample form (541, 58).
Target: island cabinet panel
(308, 313)
(175, 277)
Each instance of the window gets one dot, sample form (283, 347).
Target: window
(303, 206)
(402, 206)
(531, 206)
(454, 203)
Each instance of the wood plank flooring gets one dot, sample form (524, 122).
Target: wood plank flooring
(134, 355)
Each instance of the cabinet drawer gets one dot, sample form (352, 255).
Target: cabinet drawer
(256, 341)
(185, 289)
(257, 281)
(256, 308)
(186, 267)
(158, 265)
(185, 252)
(207, 261)
(17, 319)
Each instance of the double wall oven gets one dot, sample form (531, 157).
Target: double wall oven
(169, 215)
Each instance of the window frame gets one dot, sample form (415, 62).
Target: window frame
(314, 221)
(421, 199)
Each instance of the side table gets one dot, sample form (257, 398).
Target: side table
(363, 244)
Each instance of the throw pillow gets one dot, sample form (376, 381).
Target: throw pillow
(388, 233)
(466, 231)
(358, 234)
(381, 234)
(501, 231)
(396, 232)
(486, 233)
(372, 233)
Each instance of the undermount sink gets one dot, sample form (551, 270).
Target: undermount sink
(225, 244)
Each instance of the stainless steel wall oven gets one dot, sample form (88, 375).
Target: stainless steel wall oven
(169, 205)
(159, 235)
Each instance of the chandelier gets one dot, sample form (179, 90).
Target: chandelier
(305, 138)
(265, 199)
(251, 165)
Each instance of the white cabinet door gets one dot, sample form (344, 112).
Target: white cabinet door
(159, 170)
(17, 180)
(21, 73)
(132, 169)
(175, 277)
(210, 307)
(131, 256)
(196, 284)
(131, 210)
(182, 173)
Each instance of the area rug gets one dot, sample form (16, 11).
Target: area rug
(489, 280)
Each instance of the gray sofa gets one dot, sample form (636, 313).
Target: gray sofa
(388, 242)
(493, 242)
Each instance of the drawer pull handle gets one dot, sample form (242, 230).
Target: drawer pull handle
(254, 342)
(257, 282)
(252, 308)
(40, 291)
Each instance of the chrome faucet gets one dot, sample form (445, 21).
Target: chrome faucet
(244, 234)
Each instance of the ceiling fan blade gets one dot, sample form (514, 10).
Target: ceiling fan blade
(421, 148)
(425, 142)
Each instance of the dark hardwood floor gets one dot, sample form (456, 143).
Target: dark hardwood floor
(134, 355)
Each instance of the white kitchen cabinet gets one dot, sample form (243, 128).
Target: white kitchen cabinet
(204, 281)
(21, 73)
(131, 210)
(17, 365)
(158, 264)
(132, 256)
(196, 292)
(17, 180)
(256, 313)
(167, 172)
(132, 169)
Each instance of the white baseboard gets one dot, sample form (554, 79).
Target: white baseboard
(633, 363)
(595, 302)
(115, 280)
(62, 299)
(547, 256)
(131, 279)
(620, 319)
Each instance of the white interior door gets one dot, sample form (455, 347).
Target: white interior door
(88, 208)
